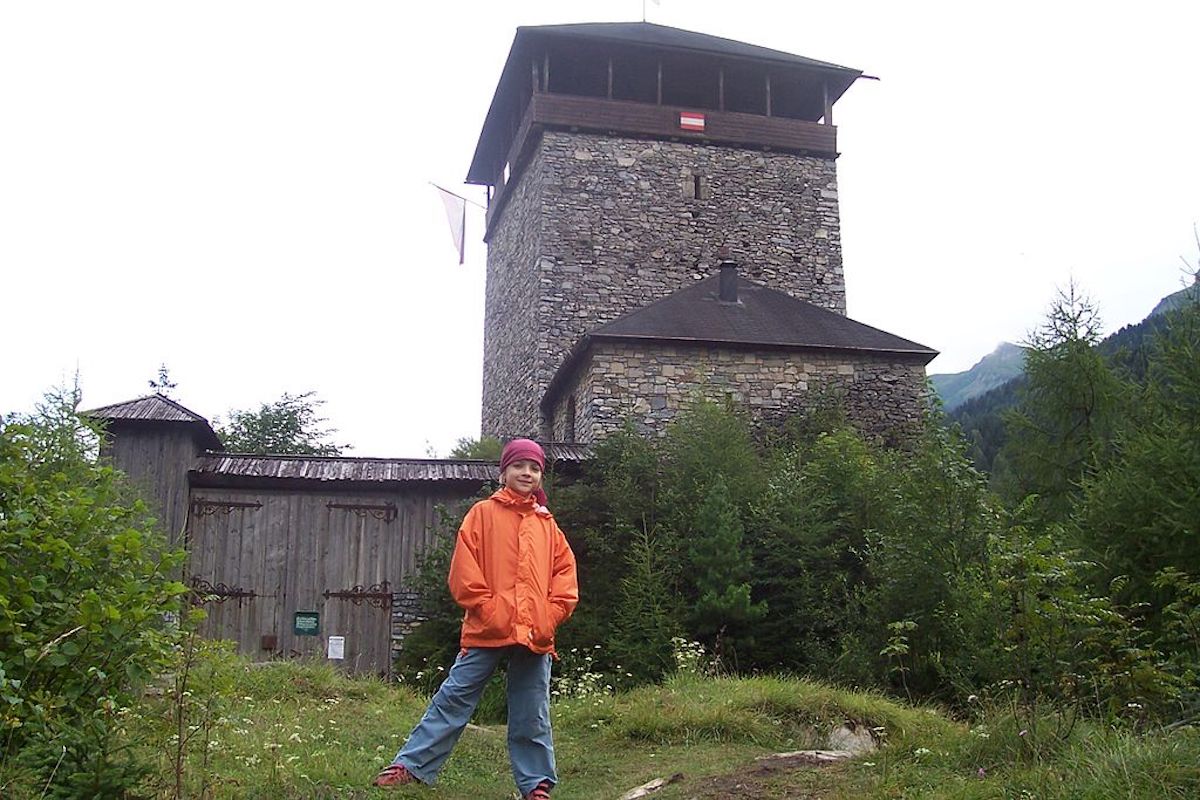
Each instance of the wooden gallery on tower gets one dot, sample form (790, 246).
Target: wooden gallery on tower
(662, 225)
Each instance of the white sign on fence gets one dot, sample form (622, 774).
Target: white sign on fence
(337, 647)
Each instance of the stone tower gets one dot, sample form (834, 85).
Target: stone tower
(618, 158)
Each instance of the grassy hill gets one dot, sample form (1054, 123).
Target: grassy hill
(295, 730)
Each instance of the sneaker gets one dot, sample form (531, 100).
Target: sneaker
(395, 775)
(541, 791)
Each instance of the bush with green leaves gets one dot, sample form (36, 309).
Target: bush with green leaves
(85, 578)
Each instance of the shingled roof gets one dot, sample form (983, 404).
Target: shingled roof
(156, 409)
(761, 318)
(257, 469)
(153, 407)
(327, 469)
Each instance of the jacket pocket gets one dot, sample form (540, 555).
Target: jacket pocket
(495, 618)
(543, 626)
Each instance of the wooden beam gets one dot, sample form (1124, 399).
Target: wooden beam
(659, 82)
(533, 69)
(546, 71)
(721, 88)
(768, 94)
(610, 77)
(828, 103)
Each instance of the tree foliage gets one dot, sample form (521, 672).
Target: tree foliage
(814, 550)
(162, 383)
(1063, 422)
(84, 580)
(485, 448)
(291, 425)
(1138, 515)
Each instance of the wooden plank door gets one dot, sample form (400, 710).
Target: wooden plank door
(234, 568)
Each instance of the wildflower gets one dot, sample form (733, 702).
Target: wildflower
(921, 752)
(1022, 733)
(981, 773)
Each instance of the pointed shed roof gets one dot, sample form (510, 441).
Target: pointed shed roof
(761, 318)
(156, 408)
(152, 407)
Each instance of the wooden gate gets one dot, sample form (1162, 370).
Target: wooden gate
(282, 573)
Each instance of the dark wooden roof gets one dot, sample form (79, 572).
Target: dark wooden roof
(156, 409)
(251, 468)
(663, 37)
(153, 407)
(341, 468)
(529, 41)
(762, 318)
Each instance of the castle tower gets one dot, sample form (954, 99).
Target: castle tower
(618, 158)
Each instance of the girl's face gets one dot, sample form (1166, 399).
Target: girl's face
(523, 476)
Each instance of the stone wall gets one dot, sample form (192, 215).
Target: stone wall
(597, 226)
(884, 395)
(511, 311)
(407, 615)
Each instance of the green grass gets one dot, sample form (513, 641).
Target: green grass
(295, 730)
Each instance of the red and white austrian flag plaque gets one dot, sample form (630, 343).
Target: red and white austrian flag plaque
(691, 121)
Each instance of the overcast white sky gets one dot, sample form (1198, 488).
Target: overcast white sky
(240, 189)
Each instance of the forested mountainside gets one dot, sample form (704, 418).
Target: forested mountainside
(981, 415)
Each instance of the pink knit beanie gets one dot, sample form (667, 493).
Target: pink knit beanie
(518, 449)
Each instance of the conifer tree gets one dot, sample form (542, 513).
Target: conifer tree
(720, 568)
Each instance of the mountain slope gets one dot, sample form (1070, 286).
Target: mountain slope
(996, 368)
(981, 416)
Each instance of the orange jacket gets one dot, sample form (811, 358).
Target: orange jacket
(514, 574)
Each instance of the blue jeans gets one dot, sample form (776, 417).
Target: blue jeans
(530, 743)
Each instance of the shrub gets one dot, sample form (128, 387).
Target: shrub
(84, 580)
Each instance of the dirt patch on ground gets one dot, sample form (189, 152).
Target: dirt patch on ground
(771, 778)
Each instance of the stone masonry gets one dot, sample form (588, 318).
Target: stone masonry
(650, 383)
(596, 226)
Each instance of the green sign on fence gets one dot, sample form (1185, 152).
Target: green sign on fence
(307, 623)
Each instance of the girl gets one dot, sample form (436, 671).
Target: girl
(514, 575)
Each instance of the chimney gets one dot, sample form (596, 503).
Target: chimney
(729, 281)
